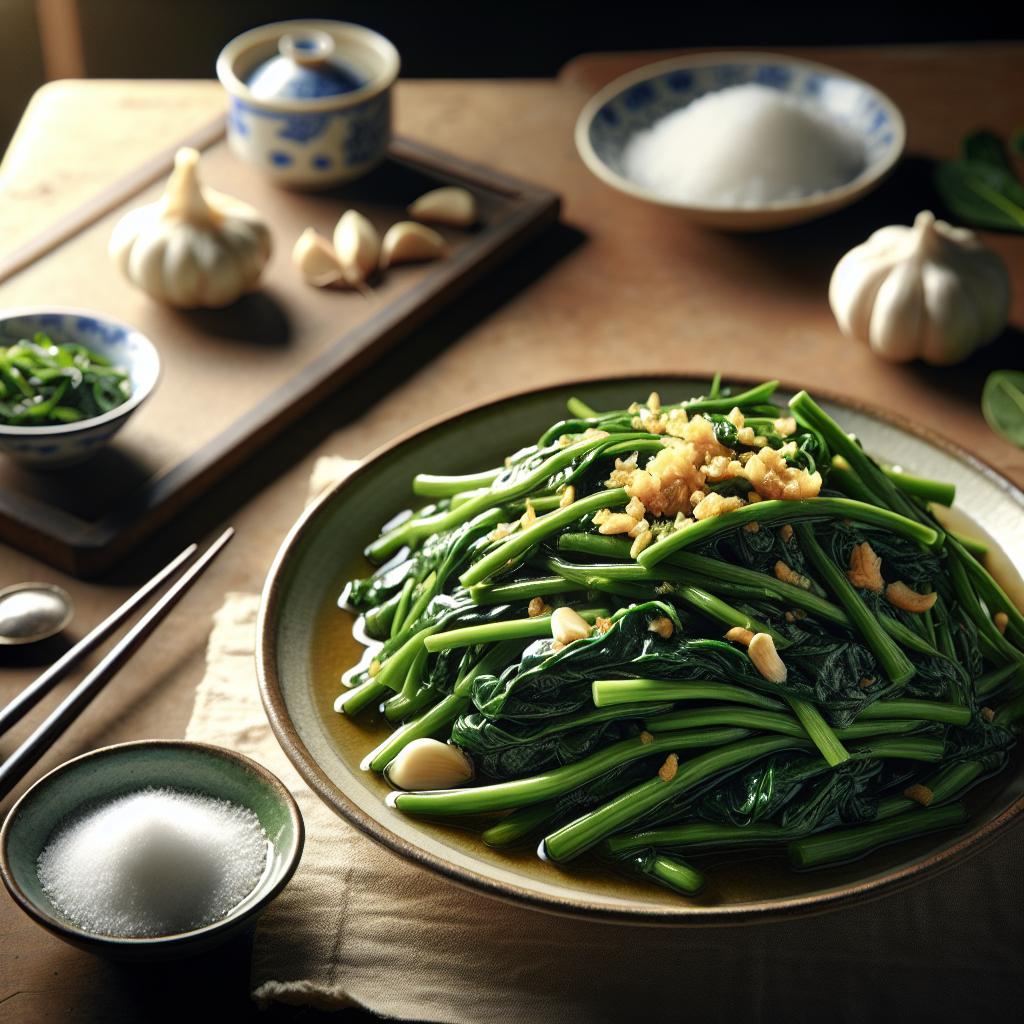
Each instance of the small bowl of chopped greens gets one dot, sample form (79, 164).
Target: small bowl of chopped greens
(69, 380)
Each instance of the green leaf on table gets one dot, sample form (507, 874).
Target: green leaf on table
(981, 195)
(987, 148)
(1002, 403)
(1017, 141)
(982, 189)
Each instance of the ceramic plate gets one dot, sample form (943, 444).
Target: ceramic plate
(305, 644)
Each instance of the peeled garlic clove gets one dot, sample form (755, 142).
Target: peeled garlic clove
(766, 658)
(448, 205)
(567, 625)
(316, 260)
(358, 246)
(429, 764)
(408, 242)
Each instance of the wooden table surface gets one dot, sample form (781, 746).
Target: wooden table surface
(618, 288)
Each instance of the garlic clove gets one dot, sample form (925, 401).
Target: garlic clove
(449, 205)
(409, 242)
(358, 246)
(568, 625)
(125, 232)
(180, 251)
(762, 652)
(429, 764)
(145, 262)
(316, 260)
(898, 318)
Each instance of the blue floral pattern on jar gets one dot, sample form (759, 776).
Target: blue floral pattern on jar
(236, 122)
(311, 147)
(303, 127)
(367, 134)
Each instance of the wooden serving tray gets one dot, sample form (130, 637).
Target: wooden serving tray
(234, 378)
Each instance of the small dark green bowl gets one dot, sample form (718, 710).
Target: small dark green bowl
(114, 771)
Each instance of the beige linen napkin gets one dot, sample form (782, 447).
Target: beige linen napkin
(359, 926)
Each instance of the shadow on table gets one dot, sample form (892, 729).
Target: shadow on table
(211, 986)
(257, 320)
(43, 652)
(73, 489)
(964, 382)
(808, 253)
(800, 259)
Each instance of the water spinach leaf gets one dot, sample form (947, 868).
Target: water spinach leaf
(1002, 403)
(982, 188)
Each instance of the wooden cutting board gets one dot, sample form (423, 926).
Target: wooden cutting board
(234, 378)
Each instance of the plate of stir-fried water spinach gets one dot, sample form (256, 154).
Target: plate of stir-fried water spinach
(658, 654)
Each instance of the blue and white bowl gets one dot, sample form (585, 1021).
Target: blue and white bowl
(294, 112)
(637, 100)
(64, 445)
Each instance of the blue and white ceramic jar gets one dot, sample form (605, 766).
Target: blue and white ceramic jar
(310, 101)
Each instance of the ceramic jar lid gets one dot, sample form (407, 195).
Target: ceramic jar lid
(305, 67)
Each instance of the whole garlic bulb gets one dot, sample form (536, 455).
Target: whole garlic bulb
(931, 292)
(193, 247)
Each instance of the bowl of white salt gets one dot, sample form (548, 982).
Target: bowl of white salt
(151, 850)
(741, 141)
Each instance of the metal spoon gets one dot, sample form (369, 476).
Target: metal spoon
(30, 612)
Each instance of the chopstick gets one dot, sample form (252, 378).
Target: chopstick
(40, 687)
(15, 767)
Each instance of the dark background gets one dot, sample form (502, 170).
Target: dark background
(445, 38)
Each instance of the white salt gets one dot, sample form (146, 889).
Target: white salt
(154, 862)
(744, 146)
